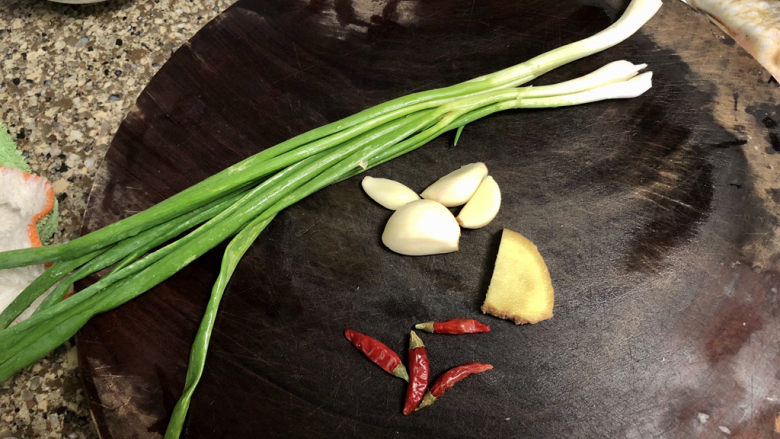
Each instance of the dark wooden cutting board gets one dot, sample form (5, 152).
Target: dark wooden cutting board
(646, 210)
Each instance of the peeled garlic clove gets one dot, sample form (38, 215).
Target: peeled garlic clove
(422, 227)
(458, 186)
(482, 207)
(389, 193)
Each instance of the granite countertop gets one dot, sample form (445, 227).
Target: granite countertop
(70, 74)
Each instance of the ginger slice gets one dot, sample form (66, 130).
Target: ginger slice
(520, 289)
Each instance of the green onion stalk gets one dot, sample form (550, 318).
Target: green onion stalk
(238, 203)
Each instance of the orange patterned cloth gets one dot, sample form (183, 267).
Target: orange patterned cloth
(24, 199)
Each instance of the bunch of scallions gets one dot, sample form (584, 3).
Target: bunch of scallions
(143, 250)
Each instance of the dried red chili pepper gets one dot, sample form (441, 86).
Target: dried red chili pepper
(378, 352)
(449, 378)
(454, 326)
(419, 371)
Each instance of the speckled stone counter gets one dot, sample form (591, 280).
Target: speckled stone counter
(69, 76)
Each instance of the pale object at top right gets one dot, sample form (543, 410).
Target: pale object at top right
(754, 24)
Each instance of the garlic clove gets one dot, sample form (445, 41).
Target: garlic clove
(389, 193)
(482, 207)
(457, 187)
(422, 227)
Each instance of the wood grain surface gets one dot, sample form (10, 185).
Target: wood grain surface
(656, 216)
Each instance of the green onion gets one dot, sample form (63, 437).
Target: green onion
(138, 244)
(261, 164)
(39, 286)
(147, 248)
(233, 254)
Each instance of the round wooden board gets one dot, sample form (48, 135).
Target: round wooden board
(652, 215)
